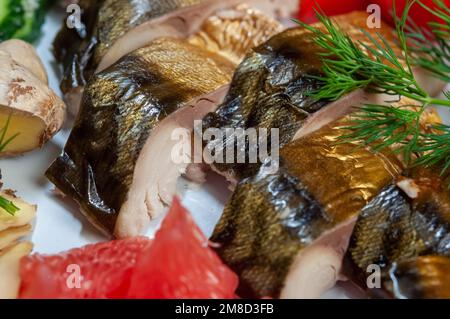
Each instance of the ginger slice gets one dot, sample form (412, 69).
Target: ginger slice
(10, 269)
(11, 235)
(22, 217)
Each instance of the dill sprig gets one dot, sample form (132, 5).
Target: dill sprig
(350, 65)
(431, 51)
(430, 48)
(385, 126)
(6, 204)
(434, 149)
(3, 142)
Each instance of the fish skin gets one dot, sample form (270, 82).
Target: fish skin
(121, 107)
(394, 228)
(271, 87)
(80, 50)
(268, 91)
(424, 277)
(131, 14)
(272, 217)
(117, 87)
(73, 48)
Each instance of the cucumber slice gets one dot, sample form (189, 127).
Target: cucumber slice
(22, 19)
(34, 16)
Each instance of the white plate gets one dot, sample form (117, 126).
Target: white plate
(59, 226)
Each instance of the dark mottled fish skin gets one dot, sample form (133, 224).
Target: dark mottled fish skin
(271, 87)
(252, 230)
(73, 48)
(425, 277)
(394, 228)
(121, 106)
(269, 91)
(104, 21)
(272, 217)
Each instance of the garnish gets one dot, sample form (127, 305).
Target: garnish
(350, 65)
(3, 131)
(430, 48)
(6, 204)
(435, 148)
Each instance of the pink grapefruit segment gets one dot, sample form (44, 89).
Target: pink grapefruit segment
(94, 271)
(177, 264)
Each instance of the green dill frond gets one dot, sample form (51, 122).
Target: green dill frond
(350, 65)
(384, 126)
(3, 142)
(447, 94)
(430, 49)
(7, 205)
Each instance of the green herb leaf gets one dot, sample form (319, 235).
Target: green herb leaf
(3, 131)
(434, 149)
(349, 65)
(384, 126)
(8, 206)
(431, 49)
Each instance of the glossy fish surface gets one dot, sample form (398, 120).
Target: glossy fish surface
(424, 277)
(81, 49)
(406, 220)
(121, 107)
(269, 90)
(271, 87)
(132, 98)
(273, 218)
